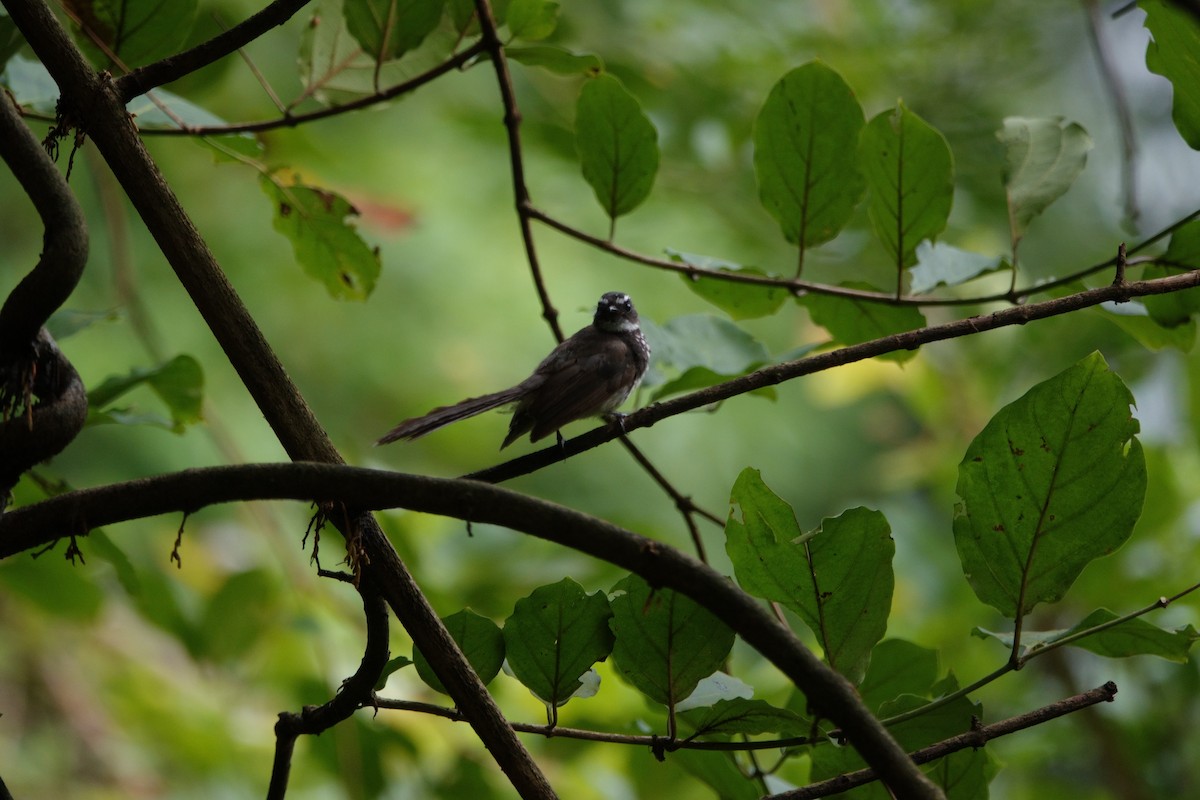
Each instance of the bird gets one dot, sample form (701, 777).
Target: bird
(589, 374)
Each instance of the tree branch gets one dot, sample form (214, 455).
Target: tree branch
(971, 739)
(778, 373)
(92, 102)
(171, 68)
(660, 565)
(354, 693)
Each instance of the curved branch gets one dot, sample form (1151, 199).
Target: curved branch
(356, 692)
(778, 373)
(143, 79)
(92, 102)
(31, 365)
(663, 566)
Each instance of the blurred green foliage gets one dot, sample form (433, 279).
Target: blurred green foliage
(127, 676)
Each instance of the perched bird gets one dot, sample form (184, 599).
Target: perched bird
(589, 374)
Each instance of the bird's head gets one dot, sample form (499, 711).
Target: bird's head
(615, 313)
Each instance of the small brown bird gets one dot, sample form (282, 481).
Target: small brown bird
(589, 374)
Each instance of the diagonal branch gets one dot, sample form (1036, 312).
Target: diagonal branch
(778, 373)
(660, 565)
(92, 102)
(171, 68)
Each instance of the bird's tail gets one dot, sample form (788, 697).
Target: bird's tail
(419, 426)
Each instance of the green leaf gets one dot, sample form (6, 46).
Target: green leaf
(698, 350)
(1054, 480)
(554, 636)
(617, 144)
(556, 59)
(664, 641)
(1183, 253)
(1134, 637)
(898, 667)
(1135, 321)
(838, 578)
(75, 595)
(531, 20)
(68, 321)
(719, 771)
(964, 775)
(851, 321)
(738, 300)
(1043, 158)
(179, 383)
(108, 550)
(806, 154)
(748, 717)
(134, 32)
(945, 265)
(387, 29)
(31, 85)
(328, 247)
(238, 615)
(393, 665)
(1174, 53)
(910, 181)
(479, 639)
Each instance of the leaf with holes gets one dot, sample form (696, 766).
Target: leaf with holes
(554, 636)
(325, 243)
(910, 181)
(617, 144)
(665, 642)
(806, 154)
(838, 578)
(1055, 480)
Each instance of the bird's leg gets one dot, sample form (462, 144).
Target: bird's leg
(562, 445)
(616, 418)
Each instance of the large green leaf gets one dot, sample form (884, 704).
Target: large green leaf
(738, 300)
(1054, 480)
(898, 667)
(617, 144)
(806, 154)
(130, 33)
(910, 181)
(479, 639)
(325, 243)
(531, 19)
(838, 578)
(665, 643)
(1043, 158)
(554, 636)
(851, 321)
(1174, 53)
(387, 29)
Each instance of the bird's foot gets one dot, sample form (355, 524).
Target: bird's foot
(616, 418)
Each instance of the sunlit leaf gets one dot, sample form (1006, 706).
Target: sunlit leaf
(1174, 53)
(838, 578)
(665, 643)
(554, 636)
(479, 639)
(617, 144)
(1055, 480)
(1043, 158)
(325, 243)
(133, 32)
(806, 154)
(910, 181)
